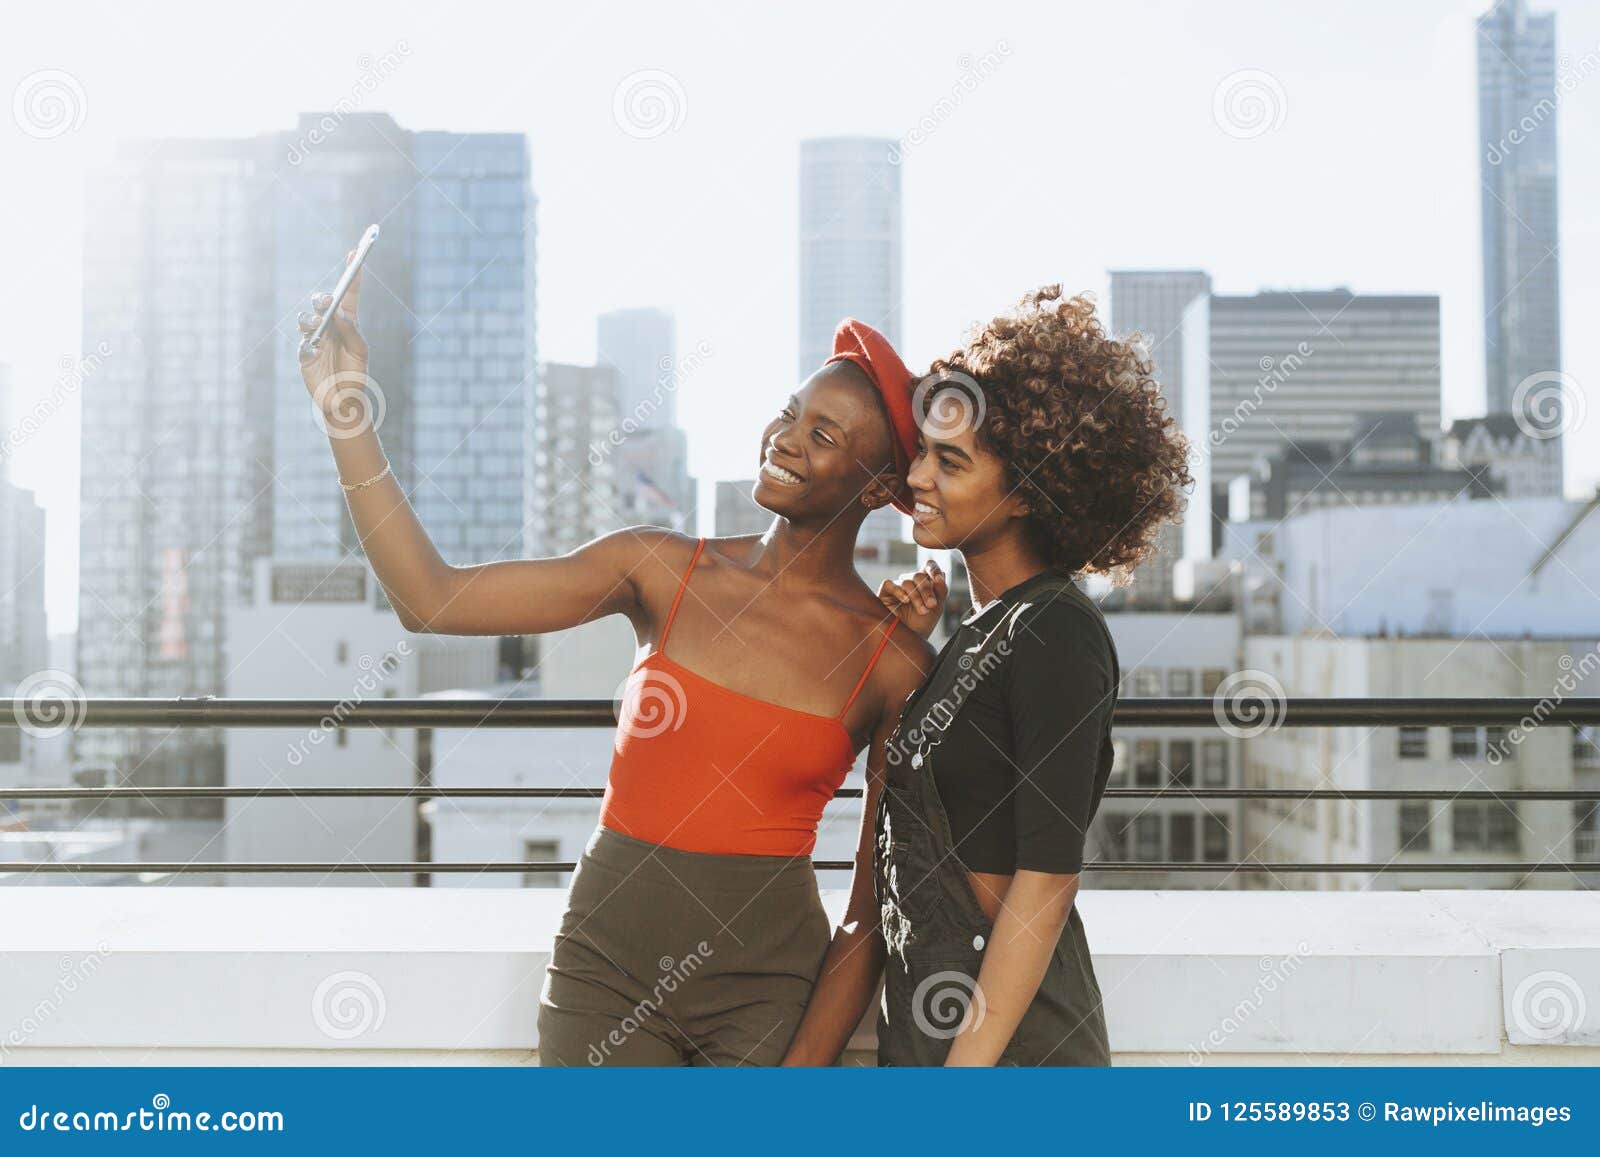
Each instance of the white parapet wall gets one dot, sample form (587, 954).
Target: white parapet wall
(206, 975)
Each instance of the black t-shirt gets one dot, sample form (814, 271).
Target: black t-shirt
(1015, 723)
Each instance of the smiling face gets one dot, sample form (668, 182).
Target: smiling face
(963, 501)
(824, 450)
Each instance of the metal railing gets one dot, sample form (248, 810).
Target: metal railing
(430, 714)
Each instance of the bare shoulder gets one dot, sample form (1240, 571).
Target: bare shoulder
(905, 664)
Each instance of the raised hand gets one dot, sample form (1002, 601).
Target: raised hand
(917, 597)
(336, 374)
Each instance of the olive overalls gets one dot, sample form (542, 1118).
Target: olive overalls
(933, 927)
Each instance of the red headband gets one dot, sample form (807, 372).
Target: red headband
(856, 341)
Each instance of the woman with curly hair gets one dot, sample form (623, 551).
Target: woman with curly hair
(1046, 454)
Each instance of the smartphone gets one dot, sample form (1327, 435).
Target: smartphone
(308, 346)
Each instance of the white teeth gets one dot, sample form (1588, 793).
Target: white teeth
(787, 477)
(924, 508)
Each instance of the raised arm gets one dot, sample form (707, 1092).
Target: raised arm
(523, 596)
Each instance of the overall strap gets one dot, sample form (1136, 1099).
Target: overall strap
(871, 663)
(683, 585)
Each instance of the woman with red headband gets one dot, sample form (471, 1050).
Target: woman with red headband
(694, 932)
(1046, 454)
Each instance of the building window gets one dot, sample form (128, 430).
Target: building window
(1180, 681)
(1147, 762)
(1586, 745)
(1214, 762)
(1413, 743)
(341, 652)
(1586, 830)
(1181, 838)
(1210, 680)
(537, 851)
(1147, 839)
(1146, 682)
(1489, 826)
(1464, 742)
(1494, 739)
(1180, 758)
(1216, 840)
(341, 737)
(1415, 835)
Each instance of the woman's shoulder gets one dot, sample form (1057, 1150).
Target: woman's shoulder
(1059, 619)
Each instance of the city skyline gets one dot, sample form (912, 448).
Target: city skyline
(966, 253)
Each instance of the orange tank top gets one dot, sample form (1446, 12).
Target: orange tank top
(702, 768)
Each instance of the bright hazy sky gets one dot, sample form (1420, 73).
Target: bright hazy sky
(1092, 146)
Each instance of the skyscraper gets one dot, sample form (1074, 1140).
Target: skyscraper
(642, 345)
(1517, 97)
(200, 449)
(1170, 307)
(1302, 364)
(850, 244)
(575, 465)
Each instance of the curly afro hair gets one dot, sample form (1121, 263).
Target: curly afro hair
(1080, 422)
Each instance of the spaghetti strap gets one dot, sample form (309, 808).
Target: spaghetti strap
(871, 663)
(683, 585)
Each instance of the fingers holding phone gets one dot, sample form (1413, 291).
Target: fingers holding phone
(333, 352)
